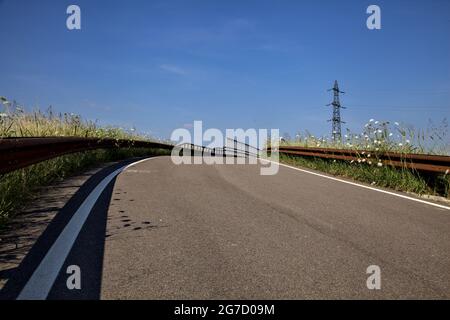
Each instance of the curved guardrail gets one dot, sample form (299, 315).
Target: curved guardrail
(419, 162)
(17, 153)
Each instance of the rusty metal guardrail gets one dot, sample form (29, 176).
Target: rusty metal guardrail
(17, 153)
(221, 151)
(419, 162)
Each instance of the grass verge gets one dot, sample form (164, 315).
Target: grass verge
(385, 176)
(377, 137)
(18, 187)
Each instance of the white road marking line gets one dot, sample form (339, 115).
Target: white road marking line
(362, 186)
(43, 278)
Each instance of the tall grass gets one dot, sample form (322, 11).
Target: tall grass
(383, 136)
(18, 187)
(16, 122)
(375, 138)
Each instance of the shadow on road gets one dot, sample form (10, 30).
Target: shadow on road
(87, 251)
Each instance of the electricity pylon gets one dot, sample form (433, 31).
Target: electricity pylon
(336, 127)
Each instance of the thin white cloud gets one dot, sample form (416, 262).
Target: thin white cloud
(172, 69)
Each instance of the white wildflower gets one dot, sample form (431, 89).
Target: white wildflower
(379, 164)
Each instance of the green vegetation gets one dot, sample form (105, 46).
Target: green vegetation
(16, 188)
(378, 137)
(389, 177)
(15, 122)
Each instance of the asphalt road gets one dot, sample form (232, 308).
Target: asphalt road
(161, 231)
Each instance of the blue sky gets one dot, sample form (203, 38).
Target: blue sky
(159, 65)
